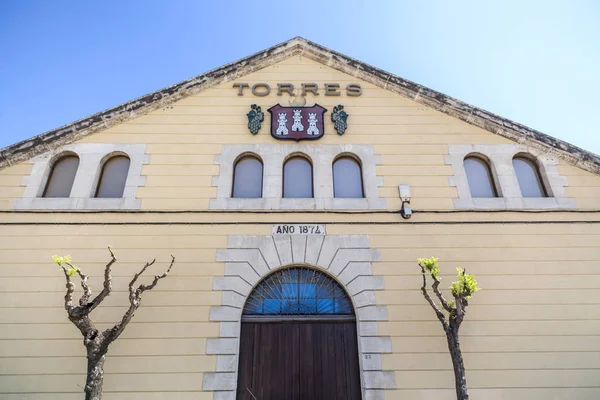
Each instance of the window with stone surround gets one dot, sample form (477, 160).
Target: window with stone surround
(247, 177)
(113, 177)
(529, 177)
(62, 175)
(479, 176)
(347, 178)
(100, 176)
(505, 177)
(297, 178)
(322, 158)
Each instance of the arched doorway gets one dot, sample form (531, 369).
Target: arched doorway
(298, 340)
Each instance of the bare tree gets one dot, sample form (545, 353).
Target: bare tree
(96, 341)
(462, 290)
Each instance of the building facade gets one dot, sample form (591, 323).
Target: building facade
(295, 270)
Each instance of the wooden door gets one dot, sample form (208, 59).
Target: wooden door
(299, 361)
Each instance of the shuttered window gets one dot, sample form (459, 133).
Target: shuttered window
(113, 177)
(248, 178)
(479, 177)
(297, 178)
(529, 178)
(347, 179)
(60, 181)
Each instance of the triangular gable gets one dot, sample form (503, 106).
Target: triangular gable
(299, 46)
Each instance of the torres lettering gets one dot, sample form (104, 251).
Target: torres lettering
(329, 89)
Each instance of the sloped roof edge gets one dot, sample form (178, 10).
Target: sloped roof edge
(299, 46)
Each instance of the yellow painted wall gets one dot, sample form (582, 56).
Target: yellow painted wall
(532, 333)
(535, 324)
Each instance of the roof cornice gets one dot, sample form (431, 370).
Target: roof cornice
(298, 46)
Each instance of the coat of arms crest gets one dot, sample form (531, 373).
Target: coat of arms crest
(297, 123)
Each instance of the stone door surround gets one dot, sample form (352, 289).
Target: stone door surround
(346, 258)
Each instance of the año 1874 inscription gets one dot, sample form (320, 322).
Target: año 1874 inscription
(298, 229)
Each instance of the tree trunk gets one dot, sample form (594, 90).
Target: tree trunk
(95, 375)
(460, 380)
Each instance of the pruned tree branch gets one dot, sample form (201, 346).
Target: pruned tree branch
(87, 291)
(461, 290)
(97, 342)
(132, 291)
(135, 299)
(461, 306)
(439, 313)
(70, 290)
(436, 290)
(107, 284)
(143, 288)
(461, 310)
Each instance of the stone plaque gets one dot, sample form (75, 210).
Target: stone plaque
(298, 229)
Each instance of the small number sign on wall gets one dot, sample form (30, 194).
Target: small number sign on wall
(298, 229)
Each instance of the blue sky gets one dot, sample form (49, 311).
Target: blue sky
(535, 62)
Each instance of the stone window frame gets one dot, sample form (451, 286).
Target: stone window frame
(309, 160)
(235, 163)
(500, 158)
(92, 157)
(539, 170)
(322, 157)
(360, 169)
(100, 172)
(51, 170)
(496, 189)
(346, 258)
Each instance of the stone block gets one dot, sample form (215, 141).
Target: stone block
(225, 313)
(365, 298)
(222, 346)
(219, 381)
(354, 269)
(379, 379)
(372, 313)
(233, 283)
(363, 283)
(229, 329)
(371, 362)
(242, 270)
(227, 363)
(375, 344)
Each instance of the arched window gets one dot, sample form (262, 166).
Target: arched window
(248, 178)
(60, 181)
(479, 177)
(529, 178)
(297, 178)
(298, 291)
(113, 177)
(347, 179)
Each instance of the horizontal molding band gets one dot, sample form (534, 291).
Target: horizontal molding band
(233, 338)
(393, 369)
(108, 391)
(415, 211)
(432, 353)
(57, 307)
(162, 337)
(306, 223)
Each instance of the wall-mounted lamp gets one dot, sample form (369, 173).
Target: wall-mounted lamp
(405, 210)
